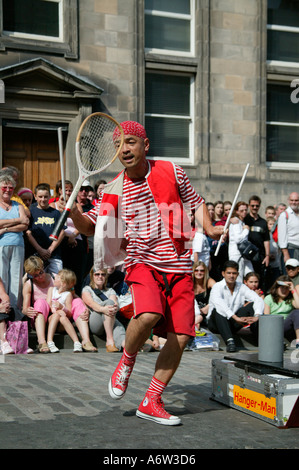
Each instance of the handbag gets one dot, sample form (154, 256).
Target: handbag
(248, 250)
(17, 336)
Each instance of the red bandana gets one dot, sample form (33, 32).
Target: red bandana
(131, 128)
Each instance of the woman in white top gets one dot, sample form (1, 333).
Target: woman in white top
(239, 232)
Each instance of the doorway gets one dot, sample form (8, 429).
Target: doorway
(35, 152)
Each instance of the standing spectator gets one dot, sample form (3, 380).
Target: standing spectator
(98, 187)
(288, 229)
(269, 212)
(13, 221)
(281, 207)
(26, 195)
(274, 265)
(84, 205)
(68, 186)
(15, 174)
(43, 220)
(219, 210)
(73, 247)
(238, 232)
(227, 205)
(259, 236)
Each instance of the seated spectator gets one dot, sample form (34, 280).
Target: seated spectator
(116, 280)
(60, 300)
(43, 220)
(284, 300)
(229, 310)
(292, 268)
(5, 347)
(252, 281)
(35, 306)
(202, 285)
(103, 306)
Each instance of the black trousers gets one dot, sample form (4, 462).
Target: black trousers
(227, 327)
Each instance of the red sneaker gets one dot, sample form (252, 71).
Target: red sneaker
(152, 407)
(119, 380)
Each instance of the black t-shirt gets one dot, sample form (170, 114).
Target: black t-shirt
(42, 224)
(259, 232)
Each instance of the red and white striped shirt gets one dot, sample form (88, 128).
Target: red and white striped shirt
(148, 240)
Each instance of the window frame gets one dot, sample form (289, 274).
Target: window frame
(165, 14)
(281, 165)
(191, 117)
(66, 44)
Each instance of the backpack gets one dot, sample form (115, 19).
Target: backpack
(275, 228)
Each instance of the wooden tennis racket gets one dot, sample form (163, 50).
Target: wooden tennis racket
(98, 143)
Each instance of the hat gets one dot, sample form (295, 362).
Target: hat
(86, 183)
(130, 128)
(292, 262)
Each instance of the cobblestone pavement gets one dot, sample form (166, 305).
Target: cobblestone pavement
(61, 401)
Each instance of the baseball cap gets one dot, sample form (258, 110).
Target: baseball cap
(86, 185)
(292, 262)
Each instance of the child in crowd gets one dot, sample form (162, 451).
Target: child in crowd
(252, 281)
(35, 290)
(60, 299)
(43, 221)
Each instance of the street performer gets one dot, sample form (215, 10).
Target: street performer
(144, 206)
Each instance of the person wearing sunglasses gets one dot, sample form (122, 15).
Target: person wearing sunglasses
(103, 306)
(13, 222)
(259, 236)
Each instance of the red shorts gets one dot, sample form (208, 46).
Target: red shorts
(149, 288)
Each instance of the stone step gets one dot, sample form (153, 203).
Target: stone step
(244, 341)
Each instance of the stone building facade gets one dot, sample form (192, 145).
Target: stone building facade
(219, 88)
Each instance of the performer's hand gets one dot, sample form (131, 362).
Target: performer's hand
(215, 231)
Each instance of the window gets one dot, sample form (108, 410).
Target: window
(282, 111)
(283, 30)
(46, 21)
(169, 26)
(40, 25)
(282, 125)
(168, 116)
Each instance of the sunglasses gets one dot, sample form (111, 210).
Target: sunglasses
(7, 188)
(35, 276)
(99, 274)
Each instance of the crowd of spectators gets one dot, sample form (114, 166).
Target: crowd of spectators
(54, 286)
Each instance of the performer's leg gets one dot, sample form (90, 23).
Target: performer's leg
(152, 406)
(137, 333)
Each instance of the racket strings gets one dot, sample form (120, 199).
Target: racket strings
(96, 145)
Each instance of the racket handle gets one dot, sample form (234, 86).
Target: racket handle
(59, 226)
